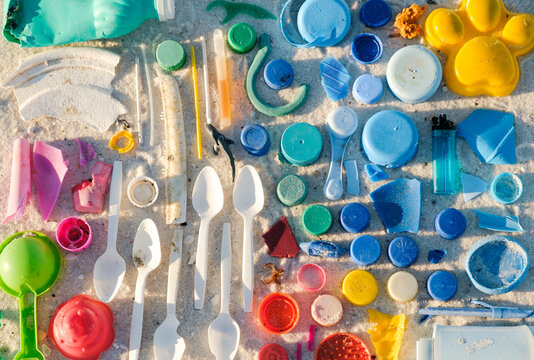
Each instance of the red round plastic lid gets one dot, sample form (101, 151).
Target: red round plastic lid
(342, 346)
(272, 352)
(82, 328)
(279, 313)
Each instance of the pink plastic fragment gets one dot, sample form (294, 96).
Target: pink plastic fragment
(89, 195)
(311, 337)
(299, 351)
(86, 152)
(50, 168)
(20, 185)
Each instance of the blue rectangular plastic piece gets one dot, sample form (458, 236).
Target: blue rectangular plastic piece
(353, 178)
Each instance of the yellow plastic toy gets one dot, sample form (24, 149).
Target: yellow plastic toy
(482, 41)
(122, 134)
(360, 287)
(386, 334)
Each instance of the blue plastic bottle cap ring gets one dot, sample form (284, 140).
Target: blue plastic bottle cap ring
(375, 13)
(403, 251)
(367, 89)
(354, 218)
(365, 250)
(325, 19)
(367, 48)
(255, 139)
(450, 224)
(442, 285)
(301, 144)
(278, 74)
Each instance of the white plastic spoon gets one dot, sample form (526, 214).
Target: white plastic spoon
(168, 344)
(146, 255)
(248, 201)
(208, 200)
(224, 333)
(110, 267)
(341, 125)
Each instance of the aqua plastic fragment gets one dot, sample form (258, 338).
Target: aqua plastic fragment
(89, 195)
(506, 188)
(233, 9)
(399, 205)
(375, 173)
(20, 184)
(472, 186)
(498, 223)
(353, 177)
(322, 248)
(435, 256)
(335, 78)
(291, 190)
(491, 135)
(170, 55)
(86, 152)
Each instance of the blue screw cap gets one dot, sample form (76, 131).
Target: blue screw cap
(375, 13)
(367, 89)
(354, 218)
(442, 285)
(255, 139)
(403, 251)
(278, 74)
(365, 250)
(450, 224)
(366, 48)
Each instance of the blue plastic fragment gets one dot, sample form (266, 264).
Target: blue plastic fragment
(472, 186)
(435, 256)
(399, 205)
(491, 135)
(335, 78)
(498, 223)
(375, 173)
(323, 248)
(353, 178)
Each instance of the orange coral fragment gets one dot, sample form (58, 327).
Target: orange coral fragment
(406, 21)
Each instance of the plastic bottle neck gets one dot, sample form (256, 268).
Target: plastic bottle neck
(165, 9)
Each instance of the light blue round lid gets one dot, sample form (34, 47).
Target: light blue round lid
(414, 74)
(354, 218)
(301, 144)
(506, 188)
(450, 224)
(442, 285)
(328, 19)
(367, 89)
(365, 250)
(255, 139)
(278, 74)
(390, 138)
(403, 251)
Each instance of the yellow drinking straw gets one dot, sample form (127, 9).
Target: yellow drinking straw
(197, 108)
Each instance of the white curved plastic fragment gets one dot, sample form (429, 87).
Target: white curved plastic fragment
(20, 185)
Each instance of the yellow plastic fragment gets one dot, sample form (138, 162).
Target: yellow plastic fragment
(386, 334)
(122, 134)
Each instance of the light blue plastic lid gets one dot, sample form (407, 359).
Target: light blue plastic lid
(365, 250)
(390, 138)
(366, 48)
(301, 144)
(354, 218)
(450, 224)
(375, 13)
(278, 74)
(442, 285)
(403, 251)
(255, 139)
(367, 89)
(506, 188)
(327, 19)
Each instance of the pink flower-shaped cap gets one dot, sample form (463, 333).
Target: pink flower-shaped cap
(82, 328)
(74, 234)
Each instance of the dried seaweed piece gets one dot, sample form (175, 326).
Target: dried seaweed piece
(275, 274)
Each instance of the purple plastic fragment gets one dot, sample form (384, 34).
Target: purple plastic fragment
(498, 223)
(299, 351)
(311, 337)
(86, 152)
(435, 256)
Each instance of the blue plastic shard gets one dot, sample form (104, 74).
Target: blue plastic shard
(486, 310)
(353, 178)
(375, 173)
(498, 223)
(435, 256)
(335, 78)
(399, 205)
(323, 248)
(472, 186)
(491, 135)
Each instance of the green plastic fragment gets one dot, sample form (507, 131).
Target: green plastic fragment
(233, 9)
(252, 94)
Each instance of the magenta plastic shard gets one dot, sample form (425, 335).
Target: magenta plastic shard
(86, 152)
(89, 195)
(49, 171)
(20, 185)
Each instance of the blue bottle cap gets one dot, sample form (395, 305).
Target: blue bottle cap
(278, 74)
(442, 285)
(367, 89)
(366, 48)
(390, 138)
(506, 188)
(301, 144)
(255, 139)
(325, 20)
(365, 250)
(375, 13)
(354, 218)
(450, 224)
(403, 251)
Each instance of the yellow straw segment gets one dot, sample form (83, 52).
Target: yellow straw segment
(197, 108)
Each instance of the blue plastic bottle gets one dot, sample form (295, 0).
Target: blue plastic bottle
(443, 155)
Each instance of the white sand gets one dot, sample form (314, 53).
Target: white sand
(191, 22)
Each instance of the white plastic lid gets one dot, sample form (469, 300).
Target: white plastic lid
(165, 9)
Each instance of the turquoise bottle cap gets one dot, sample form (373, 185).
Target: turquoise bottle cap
(291, 190)
(317, 219)
(328, 20)
(390, 138)
(241, 38)
(170, 55)
(367, 89)
(301, 144)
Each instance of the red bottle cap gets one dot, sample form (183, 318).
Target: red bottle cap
(342, 346)
(272, 352)
(279, 313)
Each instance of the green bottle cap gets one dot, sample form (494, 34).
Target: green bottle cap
(241, 38)
(317, 219)
(291, 190)
(301, 144)
(170, 55)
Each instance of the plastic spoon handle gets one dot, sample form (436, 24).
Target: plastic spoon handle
(248, 264)
(333, 187)
(28, 328)
(136, 331)
(226, 269)
(175, 264)
(201, 263)
(115, 193)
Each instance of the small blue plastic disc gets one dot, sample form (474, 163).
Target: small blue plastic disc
(326, 19)
(301, 144)
(442, 285)
(366, 48)
(255, 139)
(375, 13)
(450, 224)
(367, 89)
(278, 74)
(365, 250)
(354, 218)
(403, 251)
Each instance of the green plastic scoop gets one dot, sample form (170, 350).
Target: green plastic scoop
(29, 265)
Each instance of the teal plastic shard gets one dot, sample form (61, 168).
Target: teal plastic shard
(335, 78)
(491, 135)
(375, 173)
(233, 9)
(498, 223)
(472, 186)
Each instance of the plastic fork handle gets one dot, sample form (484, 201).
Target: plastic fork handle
(333, 187)
(136, 330)
(115, 194)
(226, 268)
(175, 264)
(248, 264)
(201, 263)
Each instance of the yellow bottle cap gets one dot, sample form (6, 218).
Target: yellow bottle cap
(360, 287)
